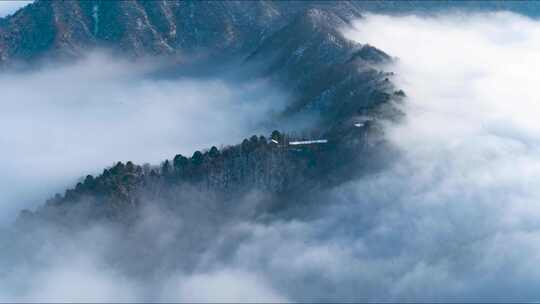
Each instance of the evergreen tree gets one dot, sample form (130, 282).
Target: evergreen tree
(214, 152)
(276, 136)
(180, 162)
(197, 158)
(166, 168)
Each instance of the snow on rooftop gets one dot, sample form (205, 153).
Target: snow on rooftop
(362, 120)
(308, 142)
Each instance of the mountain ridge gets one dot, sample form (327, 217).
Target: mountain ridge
(138, 27)
(63, 28)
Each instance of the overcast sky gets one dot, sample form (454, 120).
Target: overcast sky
(9, 6)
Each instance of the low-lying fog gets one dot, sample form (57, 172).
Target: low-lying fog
(456, 218)
(59, 123)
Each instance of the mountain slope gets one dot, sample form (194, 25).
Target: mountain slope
(142, 27)
(137, 27)
(298, 45)
(328, 74)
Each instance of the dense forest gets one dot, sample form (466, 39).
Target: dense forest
(283, 166)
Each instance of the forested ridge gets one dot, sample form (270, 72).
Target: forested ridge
(273, 166)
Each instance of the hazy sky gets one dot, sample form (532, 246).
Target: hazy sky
(9, 7)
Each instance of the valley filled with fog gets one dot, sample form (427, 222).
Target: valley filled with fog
(60, 123)
(453, 215)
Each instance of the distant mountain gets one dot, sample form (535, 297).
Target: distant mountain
(139, 27)
(67, 28)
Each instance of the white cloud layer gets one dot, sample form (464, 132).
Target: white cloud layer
(455, 218)
(60, 123)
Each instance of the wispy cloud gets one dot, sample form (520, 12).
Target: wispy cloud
(60, 123)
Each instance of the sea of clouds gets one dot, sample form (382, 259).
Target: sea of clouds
(455, 218)
(63, 121)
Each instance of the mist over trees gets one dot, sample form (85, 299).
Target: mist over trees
(276, 168)
(263, 151)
